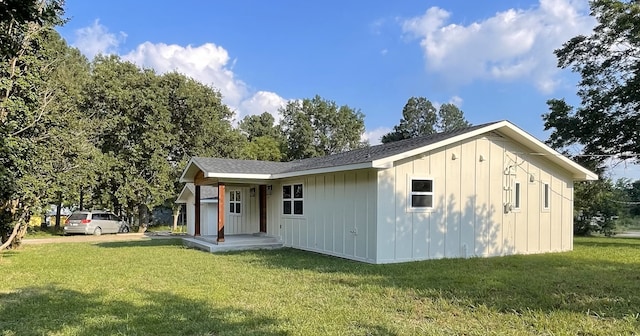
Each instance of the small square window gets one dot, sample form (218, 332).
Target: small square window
(297, 207)
(297, 191)
(421, 193)
(292, 199)
(286, 207)
(286, 191)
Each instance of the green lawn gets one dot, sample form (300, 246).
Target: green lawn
(160, 288)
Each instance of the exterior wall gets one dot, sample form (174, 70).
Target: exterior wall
(338, 215)
(248, 221)
(469, 217)
(208, 217)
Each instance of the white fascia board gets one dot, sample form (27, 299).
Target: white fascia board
(388, 161)
(579, 173)
(182, 196)
(363, 165)
(191, 162)
(239, 176)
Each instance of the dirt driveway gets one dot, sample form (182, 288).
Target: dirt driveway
(102, 238)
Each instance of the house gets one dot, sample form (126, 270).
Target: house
(486, 190)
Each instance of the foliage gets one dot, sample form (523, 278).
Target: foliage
(254, 126)
(596, 205)
(318, 127)
(590, 291)
(420, 118)
(265, 148)
(28, 98)
(608, 121)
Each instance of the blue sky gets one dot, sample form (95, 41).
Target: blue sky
(494, 59)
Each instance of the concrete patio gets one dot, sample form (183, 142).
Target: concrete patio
(239, 242)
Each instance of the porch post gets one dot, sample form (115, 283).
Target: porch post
(196, 217)
(221, 208)
(263, 208)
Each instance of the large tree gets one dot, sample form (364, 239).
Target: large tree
(28, 93)
(319, 127)
(420, 117)
(607, 122)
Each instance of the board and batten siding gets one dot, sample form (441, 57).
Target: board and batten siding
(473, 181)
(339, 215)
(248, 221)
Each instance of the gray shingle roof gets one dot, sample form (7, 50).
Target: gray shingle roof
(361, 155)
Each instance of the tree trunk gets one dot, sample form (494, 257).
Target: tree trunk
(176, 215)
(81, 198)
(143, 217)
(19, 228)
(58, 210)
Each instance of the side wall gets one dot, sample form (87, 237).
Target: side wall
(473, 195)
(339, 215)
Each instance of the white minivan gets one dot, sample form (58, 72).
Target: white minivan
(95, 222)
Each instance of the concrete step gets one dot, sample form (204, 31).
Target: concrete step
(233, 245)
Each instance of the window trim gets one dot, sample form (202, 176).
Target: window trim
(546, 196)
(292, 199)
(410, 192)
(235, 201)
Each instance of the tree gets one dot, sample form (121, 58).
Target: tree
(607, 123)
(26, 96)
(263, 148)
(420, 118)
(318, 127)
(254, 126)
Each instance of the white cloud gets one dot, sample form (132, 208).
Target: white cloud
(455, 100)
(262, 101)
(96, 39)
(374, 136)
(208, 63)
(512, 45)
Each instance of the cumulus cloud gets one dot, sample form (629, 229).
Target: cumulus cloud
(208, 63)
(511, 45)
(375, 135)
(262, 101)
(96, 39)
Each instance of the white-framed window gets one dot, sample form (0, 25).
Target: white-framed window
(420, 193)
(517, 199)
(546, 196)
(235, 202)
(293, 199)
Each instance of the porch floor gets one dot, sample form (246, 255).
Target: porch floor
(238, 242)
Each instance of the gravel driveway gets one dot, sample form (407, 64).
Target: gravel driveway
(102, 238)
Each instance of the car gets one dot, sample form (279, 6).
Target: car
(95, 222)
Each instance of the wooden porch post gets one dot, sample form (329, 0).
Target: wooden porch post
(221, 208)
(196, 217)
(263, 208)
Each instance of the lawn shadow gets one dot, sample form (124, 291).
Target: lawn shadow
(511, 284)
(54, 310)
(142, 243)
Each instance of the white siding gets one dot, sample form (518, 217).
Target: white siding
(469, 217)
(339, 215)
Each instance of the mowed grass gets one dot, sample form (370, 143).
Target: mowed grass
(158, 287)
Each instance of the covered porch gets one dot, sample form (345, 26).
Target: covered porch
(240, 216)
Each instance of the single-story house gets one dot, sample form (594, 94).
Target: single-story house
(486, 190)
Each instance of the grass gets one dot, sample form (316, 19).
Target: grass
(158, 287)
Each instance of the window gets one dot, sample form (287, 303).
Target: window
(292, 199)
(516, 196)
(235, 203)
(545, 196)
(421, 194)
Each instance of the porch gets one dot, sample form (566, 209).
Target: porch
(236, 242)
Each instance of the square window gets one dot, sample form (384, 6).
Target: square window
(237, 207)
(420, 195)
(297, 191)
(286, 191)
(232, 207)
(297, 207)
(232, 196)
(286, 207)
(421, 201)
(422, 185)
(238, 196)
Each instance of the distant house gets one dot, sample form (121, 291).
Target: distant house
(486, 190)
